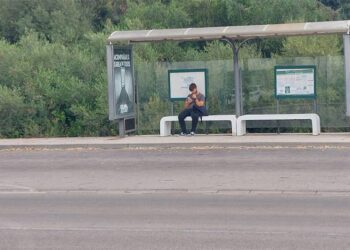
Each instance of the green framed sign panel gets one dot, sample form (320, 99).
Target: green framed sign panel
(180, 79)
(295, 81)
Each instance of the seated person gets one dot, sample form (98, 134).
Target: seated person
(194, 107)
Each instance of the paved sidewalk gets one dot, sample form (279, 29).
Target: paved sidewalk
(335, 139)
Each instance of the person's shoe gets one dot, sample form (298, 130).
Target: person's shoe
(192, 133)
(183, 134)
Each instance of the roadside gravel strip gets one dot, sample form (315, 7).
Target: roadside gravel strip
(173, 142)
(171, 147)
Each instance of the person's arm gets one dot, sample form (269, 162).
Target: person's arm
(199, 102)
(188, 102)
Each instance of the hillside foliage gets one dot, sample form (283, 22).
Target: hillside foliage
(53, 66)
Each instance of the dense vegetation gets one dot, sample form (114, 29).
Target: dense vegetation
(52, 56)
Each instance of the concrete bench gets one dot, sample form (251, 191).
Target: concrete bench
(315, 119)
(165, 122)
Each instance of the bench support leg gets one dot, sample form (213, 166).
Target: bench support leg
(165, 128)
(241, 127)
(316, 130)
(234, 127)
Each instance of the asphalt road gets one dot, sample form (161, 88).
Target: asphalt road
(201, 198)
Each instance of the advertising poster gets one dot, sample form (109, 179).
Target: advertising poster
(180, 80)
(295, 81)
(123, 80)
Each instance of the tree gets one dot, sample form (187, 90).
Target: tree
(61, 20)
(311, 46)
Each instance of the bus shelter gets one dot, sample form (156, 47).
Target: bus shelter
(120, 67)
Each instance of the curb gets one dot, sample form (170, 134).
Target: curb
(323, 145)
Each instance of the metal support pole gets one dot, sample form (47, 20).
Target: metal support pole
(111, 87)
(315, 106)
(278, 122)
(236, 72)
(172, 113)
(237, 81)
(137, 105)
(346, 38)
(121, 127)
(136, 98)
(241, 90)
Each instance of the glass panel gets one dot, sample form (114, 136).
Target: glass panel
(258, 94)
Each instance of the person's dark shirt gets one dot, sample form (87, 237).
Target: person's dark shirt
(200, 97)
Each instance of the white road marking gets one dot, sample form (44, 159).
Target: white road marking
(169, 230)
(225, 29)
(18, 189)
(187, 30)
(149, 33)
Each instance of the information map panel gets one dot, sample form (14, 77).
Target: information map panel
(180, 79)
(295, 81)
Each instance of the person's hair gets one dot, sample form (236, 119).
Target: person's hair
(192, 86)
